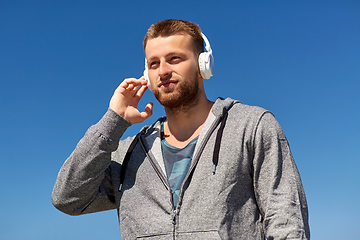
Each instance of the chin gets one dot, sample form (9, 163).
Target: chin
(184, 96)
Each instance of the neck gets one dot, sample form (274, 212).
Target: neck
(183, 125)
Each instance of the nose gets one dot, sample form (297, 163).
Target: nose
(164, 70)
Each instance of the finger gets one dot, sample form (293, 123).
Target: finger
(143, 81)
(130, 87)
(135, 89)
(147, 112)
(129, 83)
(140, 93)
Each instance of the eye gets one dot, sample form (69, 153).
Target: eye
(153, 64)
(175, 59)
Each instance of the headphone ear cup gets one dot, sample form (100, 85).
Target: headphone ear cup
(206, 64)
(146, 75)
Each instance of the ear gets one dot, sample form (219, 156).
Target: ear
(198, 67)
(199, 74)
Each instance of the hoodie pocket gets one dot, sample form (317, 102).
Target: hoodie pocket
(156, 237)
(199, 235)
(194, 235)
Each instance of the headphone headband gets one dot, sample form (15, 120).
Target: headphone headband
(207, 43)
(206, 60)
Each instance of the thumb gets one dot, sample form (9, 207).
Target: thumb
(147, 112)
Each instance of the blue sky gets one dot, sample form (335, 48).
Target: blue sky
(60, 62)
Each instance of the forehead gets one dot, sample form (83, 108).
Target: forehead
(162, 46)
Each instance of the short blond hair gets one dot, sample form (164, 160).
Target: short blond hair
(171, 27)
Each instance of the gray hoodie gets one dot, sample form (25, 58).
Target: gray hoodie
(243, 182)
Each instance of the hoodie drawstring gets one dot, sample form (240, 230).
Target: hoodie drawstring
(127, 158)
(218, 139)
(215, 154)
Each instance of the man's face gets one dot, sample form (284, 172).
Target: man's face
(173, 70)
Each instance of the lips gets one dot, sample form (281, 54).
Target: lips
(167, 83)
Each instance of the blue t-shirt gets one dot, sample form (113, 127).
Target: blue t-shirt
(177, 163)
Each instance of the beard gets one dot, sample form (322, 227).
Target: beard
(181, 96)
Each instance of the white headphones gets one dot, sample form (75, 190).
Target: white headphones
(206, 63)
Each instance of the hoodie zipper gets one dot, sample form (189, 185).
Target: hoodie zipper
(165, 182)
(162, 178)
(197, 157)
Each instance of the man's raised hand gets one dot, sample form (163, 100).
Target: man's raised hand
(126, 98)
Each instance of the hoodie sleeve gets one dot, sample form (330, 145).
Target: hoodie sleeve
(278, 188)
(84, 184)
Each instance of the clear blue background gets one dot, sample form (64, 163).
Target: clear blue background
(60, 62)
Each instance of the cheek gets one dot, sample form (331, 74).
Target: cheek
(193, 69)
(196, 71)
(152, 75)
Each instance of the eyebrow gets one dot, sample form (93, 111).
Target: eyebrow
(168, 54)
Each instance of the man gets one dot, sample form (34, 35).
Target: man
(208, 170)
